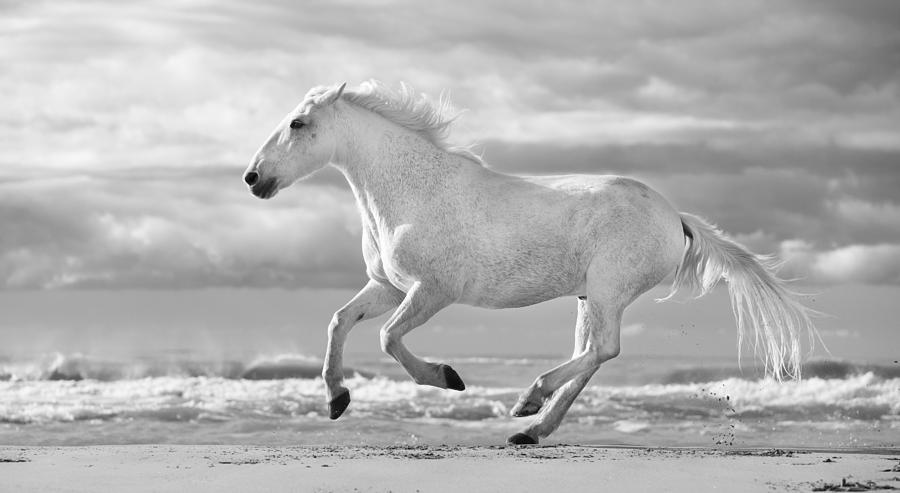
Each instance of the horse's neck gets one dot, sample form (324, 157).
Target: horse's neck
(390, 168)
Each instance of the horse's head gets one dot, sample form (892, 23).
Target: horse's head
(301, 144)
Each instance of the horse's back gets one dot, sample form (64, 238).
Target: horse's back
(613, 203)
(599, 189)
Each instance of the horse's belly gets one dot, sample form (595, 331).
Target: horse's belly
(523, 286)
(506, 298)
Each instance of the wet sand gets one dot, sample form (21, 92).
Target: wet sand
(440, 468)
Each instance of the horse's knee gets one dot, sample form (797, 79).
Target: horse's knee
(339, 319)
(342, 320)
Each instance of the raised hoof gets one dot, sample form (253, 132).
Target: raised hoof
(337, 405)
(452, 378)
(525, 409)
(521, 439)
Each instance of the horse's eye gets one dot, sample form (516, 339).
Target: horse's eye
(297, 124)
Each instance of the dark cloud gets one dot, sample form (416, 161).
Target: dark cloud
(204, 231)
(842, 203)
(750, 66)
(789, 193)
(822, 161)
(883, 14)
(182, 228)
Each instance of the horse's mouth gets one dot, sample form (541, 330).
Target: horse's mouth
(265, 189)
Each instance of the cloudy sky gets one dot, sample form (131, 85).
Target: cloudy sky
(125, 127)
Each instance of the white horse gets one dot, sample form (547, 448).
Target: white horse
(441, 228)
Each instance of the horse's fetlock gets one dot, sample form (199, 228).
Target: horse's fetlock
(339, 319)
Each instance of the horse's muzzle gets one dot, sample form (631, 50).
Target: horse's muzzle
(265, 189)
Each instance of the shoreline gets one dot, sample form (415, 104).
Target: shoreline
(439, 468)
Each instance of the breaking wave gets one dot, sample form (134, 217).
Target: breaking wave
(78, 399)
(864, 396)
(824, 369)
(78, 367)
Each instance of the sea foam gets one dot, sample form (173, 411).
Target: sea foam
(33, 401)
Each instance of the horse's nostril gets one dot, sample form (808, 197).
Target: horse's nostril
(251, 177)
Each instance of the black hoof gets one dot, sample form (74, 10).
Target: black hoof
(527, 409)
(452, 379)
(337, 405)
(521, 439)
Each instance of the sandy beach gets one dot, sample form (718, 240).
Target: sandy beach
(441, 468)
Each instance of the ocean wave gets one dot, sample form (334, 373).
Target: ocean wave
(493, 370)
(865, 397)
(823, 369)
(77, 367)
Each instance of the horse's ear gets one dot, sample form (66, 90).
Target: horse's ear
(332, 95)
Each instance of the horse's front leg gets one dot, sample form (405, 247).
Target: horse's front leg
(421, 303)
(371, 301)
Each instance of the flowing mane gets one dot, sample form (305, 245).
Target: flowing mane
(412, 110)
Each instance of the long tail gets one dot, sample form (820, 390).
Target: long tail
(760, 301)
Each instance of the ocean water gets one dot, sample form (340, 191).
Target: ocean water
(68, 399)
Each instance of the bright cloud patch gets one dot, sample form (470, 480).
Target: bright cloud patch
(860, 263)
(876, 264)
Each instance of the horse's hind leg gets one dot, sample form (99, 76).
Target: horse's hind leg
(420, 304)
(371, 301)
(553, 412)
(597, 330)
(596, 341)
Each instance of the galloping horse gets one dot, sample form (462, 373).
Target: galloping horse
(439, 227)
